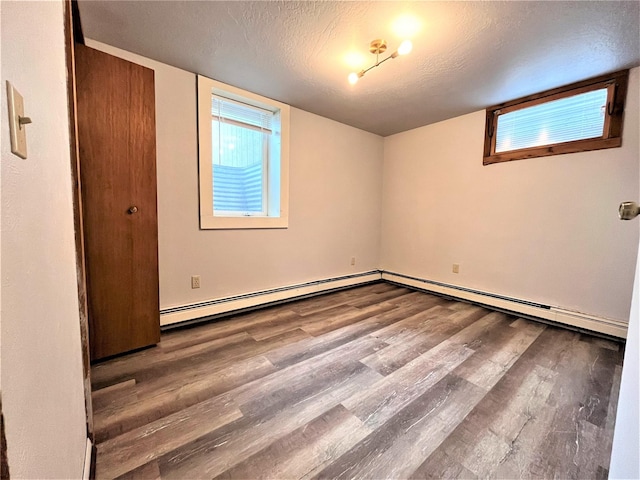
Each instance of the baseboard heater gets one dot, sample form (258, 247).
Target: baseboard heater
(556, 315)
(212, 309)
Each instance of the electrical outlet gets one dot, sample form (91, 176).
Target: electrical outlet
(195, 281)
(456, 268)
(353, 260)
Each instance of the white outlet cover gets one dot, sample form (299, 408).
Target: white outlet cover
(17, 132)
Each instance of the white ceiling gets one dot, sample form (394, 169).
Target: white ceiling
(466, 56)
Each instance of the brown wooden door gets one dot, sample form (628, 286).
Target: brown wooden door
(116, 136)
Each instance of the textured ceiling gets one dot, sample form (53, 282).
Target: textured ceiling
(466, 56)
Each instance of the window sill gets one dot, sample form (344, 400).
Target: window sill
(242, 223)
(557, 149)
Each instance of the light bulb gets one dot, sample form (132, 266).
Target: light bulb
(353, 78)
(405, 47)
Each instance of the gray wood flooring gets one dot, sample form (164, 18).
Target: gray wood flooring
(373, 382)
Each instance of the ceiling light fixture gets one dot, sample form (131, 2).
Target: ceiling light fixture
(377, 47)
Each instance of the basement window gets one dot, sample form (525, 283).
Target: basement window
(576, 118)
(243, 158)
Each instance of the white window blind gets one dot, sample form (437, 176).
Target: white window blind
(249, 115)
(568, 119)
(240, 137)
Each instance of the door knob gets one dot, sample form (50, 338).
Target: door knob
(628, 210)
(132, 210)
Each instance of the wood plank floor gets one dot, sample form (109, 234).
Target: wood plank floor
(373, 382)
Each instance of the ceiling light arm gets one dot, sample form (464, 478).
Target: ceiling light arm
(377, 47)
(362, 72)
(393, 55)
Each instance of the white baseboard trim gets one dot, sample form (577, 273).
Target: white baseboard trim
(86, 469)
(216, 307)
(615, 328)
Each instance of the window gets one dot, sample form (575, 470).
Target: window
(575, 118)
(240, 139)
(243, 158)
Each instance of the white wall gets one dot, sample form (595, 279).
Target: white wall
(544, 230)
(625, 455)
(42, 386)
(334, 201)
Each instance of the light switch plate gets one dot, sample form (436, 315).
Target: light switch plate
(17, 131)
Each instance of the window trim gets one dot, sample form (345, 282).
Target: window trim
(205, 88)
(616, 83)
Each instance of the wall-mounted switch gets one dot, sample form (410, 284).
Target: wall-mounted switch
(17, 122)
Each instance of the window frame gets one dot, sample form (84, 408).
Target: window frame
(278, 186)
(616, 84)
